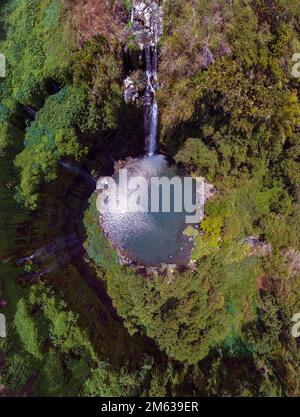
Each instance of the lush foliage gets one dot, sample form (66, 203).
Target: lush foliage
(230, 112)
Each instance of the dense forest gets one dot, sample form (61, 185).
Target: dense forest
(79, 323)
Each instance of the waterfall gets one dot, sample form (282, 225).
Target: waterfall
(147, 26)
(153, 129)
(150, 102)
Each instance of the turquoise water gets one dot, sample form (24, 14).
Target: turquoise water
(150, 238)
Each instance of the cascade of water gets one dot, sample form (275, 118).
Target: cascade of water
(147, 26)
(155, 62)
(150, 103)
(153, 129)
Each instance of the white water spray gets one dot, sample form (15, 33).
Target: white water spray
(147, 25)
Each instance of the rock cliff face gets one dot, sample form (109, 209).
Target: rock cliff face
(131, 94)
(147, 22)
(146, 29)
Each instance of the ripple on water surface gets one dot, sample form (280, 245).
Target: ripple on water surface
(150, 238)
